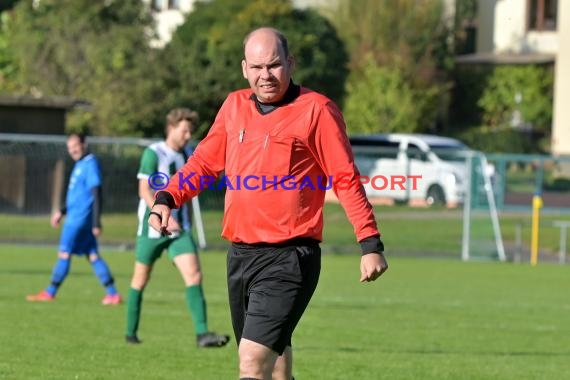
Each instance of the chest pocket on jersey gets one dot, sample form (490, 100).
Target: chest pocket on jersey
(263, 155)
(276, 155)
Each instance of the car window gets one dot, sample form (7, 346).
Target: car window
(451, 153)
(375, 148)
(415, 153)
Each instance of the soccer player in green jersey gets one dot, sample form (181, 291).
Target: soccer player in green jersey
(164, 159)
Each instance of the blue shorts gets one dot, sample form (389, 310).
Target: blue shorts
(77, 239)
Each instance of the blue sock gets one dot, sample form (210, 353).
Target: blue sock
(104, 274)
(60, 271)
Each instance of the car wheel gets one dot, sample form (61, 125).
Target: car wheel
(435, 196)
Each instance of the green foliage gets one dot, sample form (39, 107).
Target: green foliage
(7, 4)
(380, 101)
(7, 65)
(93, 50)
(528, 89)
(393, 31)
(503, 141)
(204, 55)
(557, 184)
(469, 85)
(409, 35)
(465, 26)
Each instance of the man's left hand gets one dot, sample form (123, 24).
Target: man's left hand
(372, 265)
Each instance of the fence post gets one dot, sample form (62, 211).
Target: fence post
(563, 225)
(518, 243)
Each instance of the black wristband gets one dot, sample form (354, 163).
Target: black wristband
(164, 198)
(371, 244)
(157, 214)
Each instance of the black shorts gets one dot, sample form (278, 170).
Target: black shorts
(269, 288)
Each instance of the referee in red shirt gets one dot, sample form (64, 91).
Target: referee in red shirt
(289, 138)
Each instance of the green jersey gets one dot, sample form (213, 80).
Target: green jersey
(160, 159)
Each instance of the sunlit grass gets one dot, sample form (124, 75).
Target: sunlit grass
(425, 319)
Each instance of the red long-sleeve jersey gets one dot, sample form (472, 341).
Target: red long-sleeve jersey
(276, 165)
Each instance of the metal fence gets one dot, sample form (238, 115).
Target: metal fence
(35, 169)
(518, 178)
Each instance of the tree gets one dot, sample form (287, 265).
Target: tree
(380, 100)
(93, 50)
(7, 66)
(205, 52)
(6, 4)
(465, 26)
(409, 39)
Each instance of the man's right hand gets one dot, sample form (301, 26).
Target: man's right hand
(158, 219)
(55, 219)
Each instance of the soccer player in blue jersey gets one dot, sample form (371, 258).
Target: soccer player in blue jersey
(82, 223)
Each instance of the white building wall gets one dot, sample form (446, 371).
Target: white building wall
(166, 23)
(167, 20)
(541, 42)
(503, 29)
(312, 3)
(509, 26)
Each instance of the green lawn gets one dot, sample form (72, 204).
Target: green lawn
(425, 319)
(417, 231)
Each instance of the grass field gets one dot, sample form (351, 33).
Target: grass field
(425, 319)
(417, 231)
(430, 317)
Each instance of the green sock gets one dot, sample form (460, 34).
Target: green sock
(197, 305)
(134, 302)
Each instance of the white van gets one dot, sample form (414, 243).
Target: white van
(412, 167)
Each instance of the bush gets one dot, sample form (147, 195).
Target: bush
(508, 141)
(489, 95)
(557, 184)
(524, 90)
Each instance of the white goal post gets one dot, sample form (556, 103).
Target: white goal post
(479, 178)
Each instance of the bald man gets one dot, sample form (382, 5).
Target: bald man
(279, 145)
